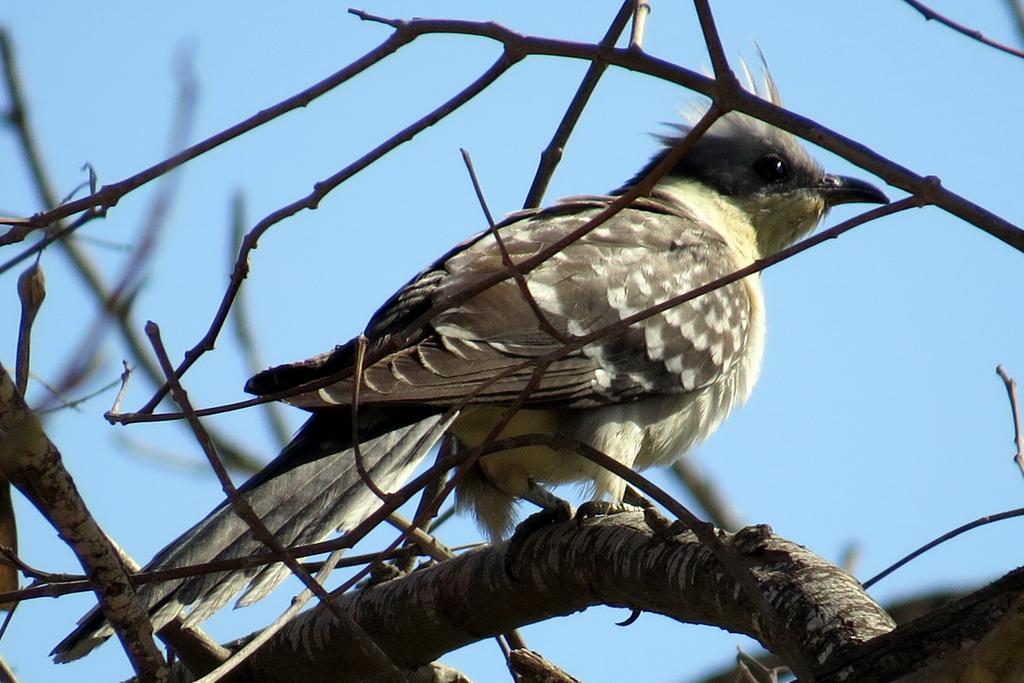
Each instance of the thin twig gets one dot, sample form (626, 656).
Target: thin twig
(126, 374)
(82, 585)
(242, 319)
(60, 236)
(31, 292)
(1018, 437)
(704, 531)
(6, 673)
(930, 14)
(76, 402)
(267, 633)
(11, 556)
(59, 232)
(506, 258)
(242, 508)
(641, 9)
(552, 154)
(440, 519)
(724, 75)
(424, 515)
(428, 545)
(6, 623)
(580, 341)
(312, 200)
(116, 301)
(927, 187)
(981, 521)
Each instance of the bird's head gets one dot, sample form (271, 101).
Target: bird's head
(744, 165)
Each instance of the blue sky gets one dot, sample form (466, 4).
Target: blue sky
(879, 419)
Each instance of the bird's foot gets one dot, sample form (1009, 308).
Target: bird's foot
(559, 512)
(381, 572)
(603, 508)
(662, 528)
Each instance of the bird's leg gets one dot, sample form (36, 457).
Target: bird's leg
(553, 510)
(635, 498)
(547, 501)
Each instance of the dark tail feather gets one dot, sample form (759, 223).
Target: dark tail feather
(305, 494)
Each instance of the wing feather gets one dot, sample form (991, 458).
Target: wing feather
(490, 344)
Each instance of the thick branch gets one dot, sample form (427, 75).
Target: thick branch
(33, 464)
(563, 569)
(980, 632)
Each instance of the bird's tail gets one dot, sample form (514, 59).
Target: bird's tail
(312, 489)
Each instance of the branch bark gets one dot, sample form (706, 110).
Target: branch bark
(33, 464)
(565, 568)
(618, 561)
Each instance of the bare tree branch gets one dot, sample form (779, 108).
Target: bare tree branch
(719, 62)
(32, 463)
(312, 200)
(6, 674)
(109, 195)
(567, 567)
(1018, 428)
(241, 506)
(518, 46)
(739, 558)
(930, 14)
(641, 10)
(242, 320)
(419, 617)
(31, 292)
(981, 521)
(116, 302)
(506, 258)
(80, 260)
(552, 154)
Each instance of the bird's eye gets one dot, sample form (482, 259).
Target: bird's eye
(772, 168)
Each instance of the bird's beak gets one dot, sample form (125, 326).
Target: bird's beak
(839, 189)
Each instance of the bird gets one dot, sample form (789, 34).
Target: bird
(447, 374)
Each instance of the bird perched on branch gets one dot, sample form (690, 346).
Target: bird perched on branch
(643, 396)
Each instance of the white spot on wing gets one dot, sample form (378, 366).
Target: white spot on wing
(547, 297)
(641, 281)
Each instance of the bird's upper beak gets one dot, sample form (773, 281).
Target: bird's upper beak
(839, 189)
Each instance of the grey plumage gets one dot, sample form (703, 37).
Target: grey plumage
(300, 502)
(643, 396)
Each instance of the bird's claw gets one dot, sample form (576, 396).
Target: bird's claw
(560, 512)
(602, 508)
